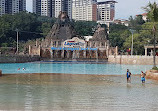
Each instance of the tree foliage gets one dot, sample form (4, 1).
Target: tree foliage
(84, 28)
(118, 34)
(121, 36)
(31, 26)
(23, 22)
(152, 11)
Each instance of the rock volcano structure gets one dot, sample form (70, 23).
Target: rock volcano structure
(100, 34)
(62, 29)
(62, 43)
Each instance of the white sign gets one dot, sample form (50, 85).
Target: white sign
(74, 42)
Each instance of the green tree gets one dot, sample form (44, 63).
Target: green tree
(117, 27)
(135, 23)
(152, 10)
(139, 20)
(23, 21)
(118, 34)
(84, 28)
(30, 26)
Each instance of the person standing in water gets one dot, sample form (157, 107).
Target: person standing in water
(128, 75)
(143, 77)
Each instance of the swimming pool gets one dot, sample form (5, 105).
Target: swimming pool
(72, 68)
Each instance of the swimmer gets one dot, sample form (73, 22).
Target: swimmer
(128, 75)
(24, 69)
(143, 77)
(18, 68)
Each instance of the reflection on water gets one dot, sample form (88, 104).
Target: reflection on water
(59, 92)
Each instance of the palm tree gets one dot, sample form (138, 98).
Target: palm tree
(152, 14)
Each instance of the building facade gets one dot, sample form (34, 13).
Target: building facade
(121, 21)
(45, 8)
(68, 7)
(59, 6)
(12, 6)
(106, 11)
(37, 7)
(144, 16)
(84, 10)
(52, 8)
(42, 7)
(2, 7)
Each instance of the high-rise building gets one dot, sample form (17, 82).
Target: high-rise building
(2, 7)
(68, 7)
(12, 6)
(37, 7)
(52, 8)
(106, 11)
(45, 8)
(84, 10)
(42, 7)
(17, 6)
(59, 6)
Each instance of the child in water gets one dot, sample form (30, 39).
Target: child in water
(143, 77)
(128, 75)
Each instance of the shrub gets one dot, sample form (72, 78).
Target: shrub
(154, 68)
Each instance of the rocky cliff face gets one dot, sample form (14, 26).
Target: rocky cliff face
(62, 29)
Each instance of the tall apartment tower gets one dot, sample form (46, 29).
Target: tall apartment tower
(37, 7)
(68, 7)
(59, 6)
(63, 5)
(52, 8)
(2, 7)
(12, 6)
(106, 11)
(42, 7)
(84, 10)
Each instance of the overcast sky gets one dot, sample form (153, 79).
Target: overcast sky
(124, 8)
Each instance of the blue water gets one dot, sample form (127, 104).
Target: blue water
(79, 68)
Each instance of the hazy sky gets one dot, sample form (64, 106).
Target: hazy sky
(124, 8)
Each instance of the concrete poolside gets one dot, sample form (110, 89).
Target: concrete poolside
(70, 92)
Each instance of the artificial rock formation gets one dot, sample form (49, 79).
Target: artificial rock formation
(62, 29)
(100, 34)
(99, 38)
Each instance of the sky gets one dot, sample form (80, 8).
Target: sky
(124, 8)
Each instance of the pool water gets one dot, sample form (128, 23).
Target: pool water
(75, 87)
(69, 92)
(72, 68)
